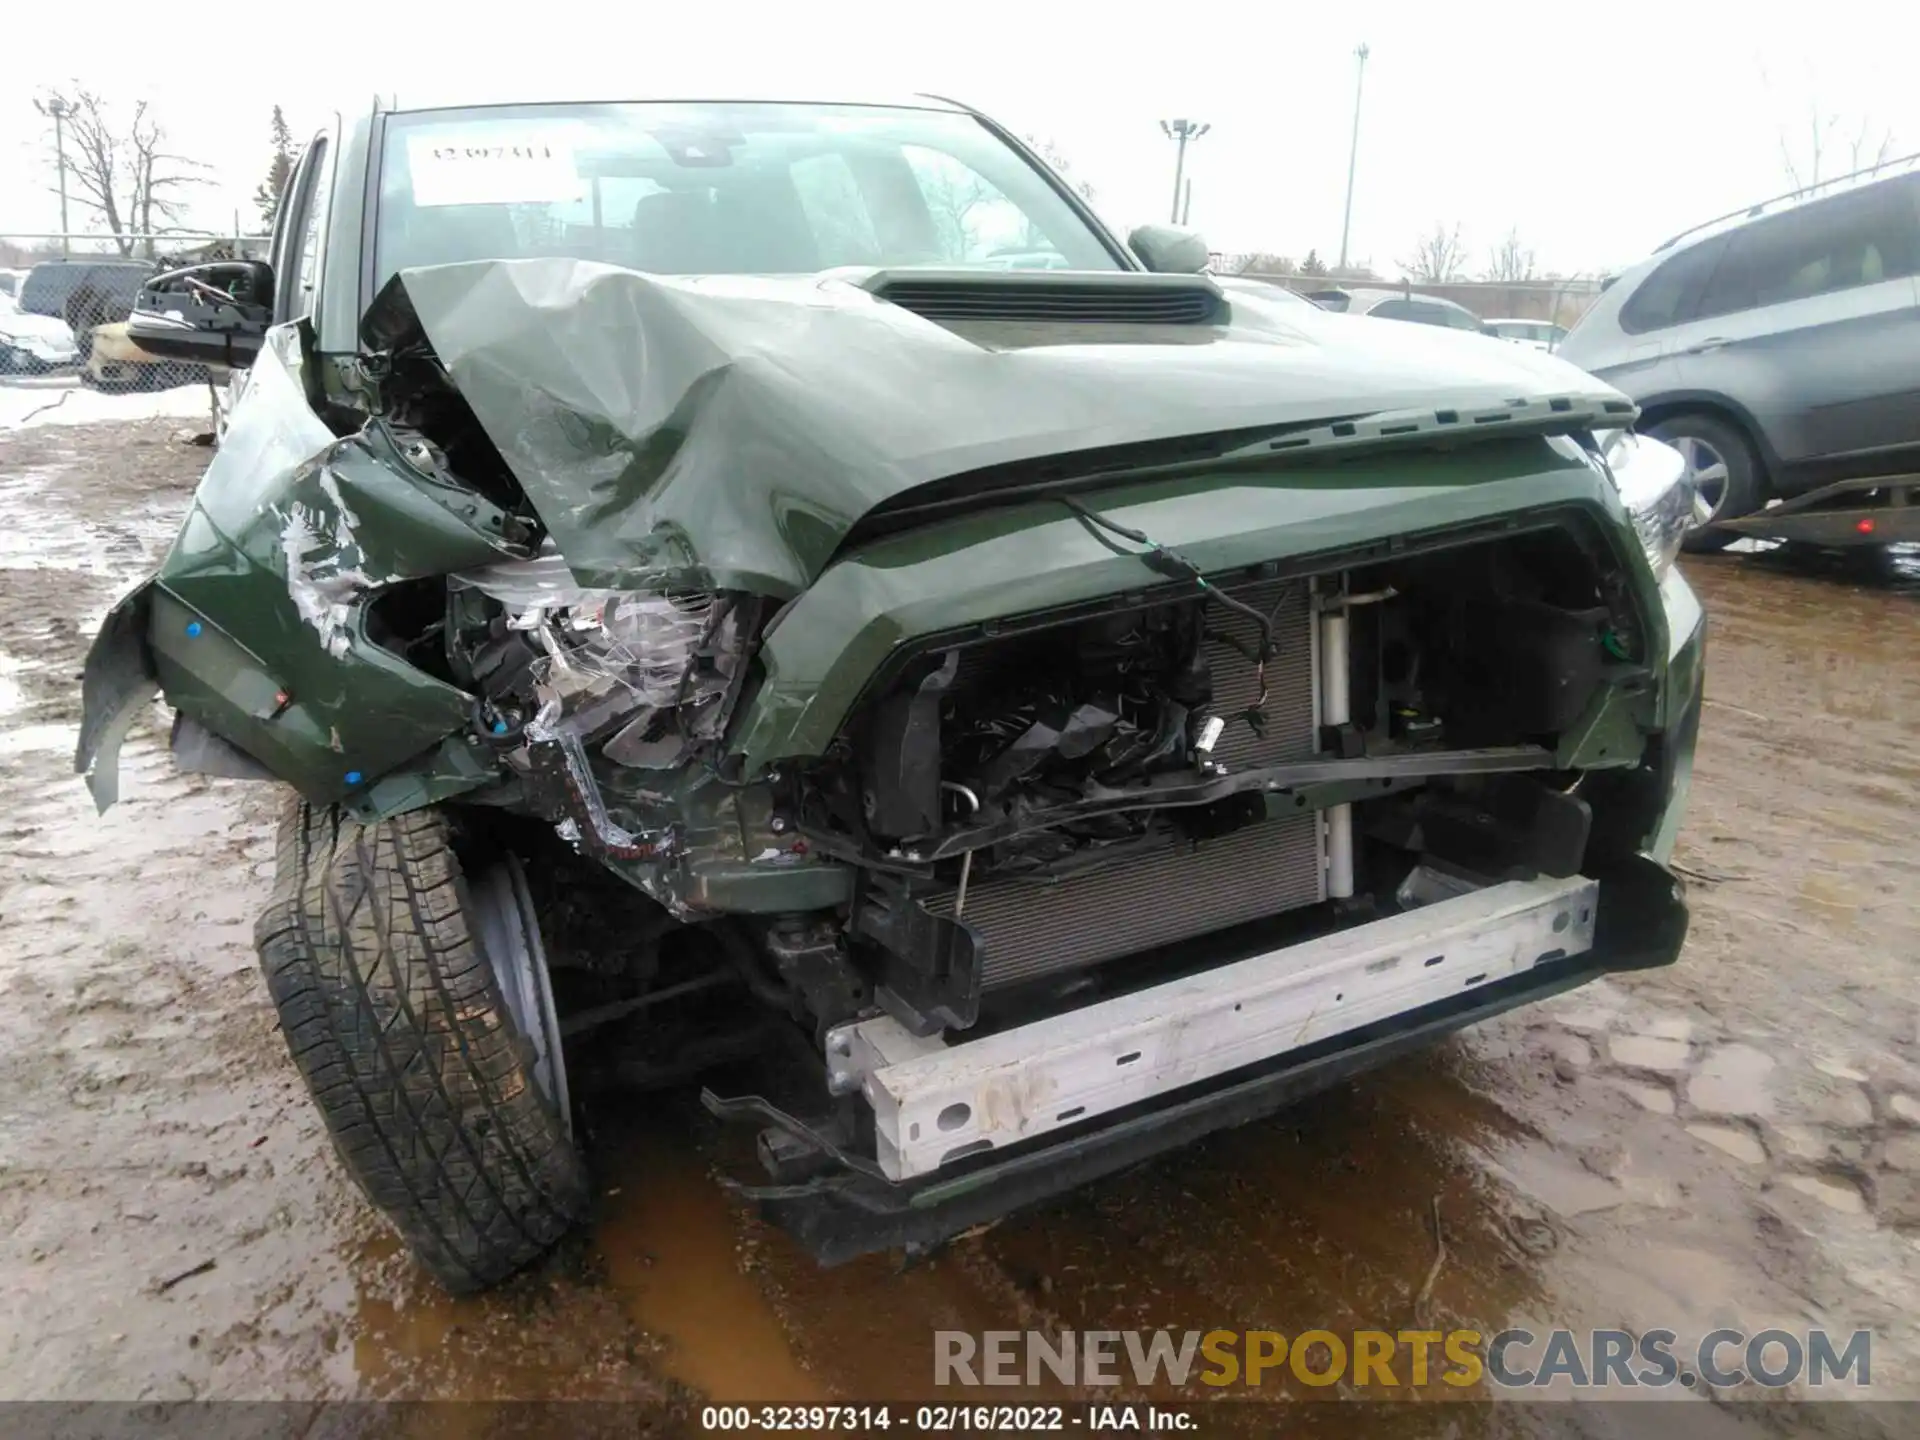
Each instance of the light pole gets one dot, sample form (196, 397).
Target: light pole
(1181, 131)
(58, 110)
(1353, 152)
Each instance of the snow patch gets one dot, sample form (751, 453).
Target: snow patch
(63, 400)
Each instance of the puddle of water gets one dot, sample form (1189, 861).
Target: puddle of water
(1740, 1144)
(1733, 1080)
(1560, 1184)
(393, 1336)
(1834, 1193)
(672, 1255)
(1893, 566)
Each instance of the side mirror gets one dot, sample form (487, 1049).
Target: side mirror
(214, 314)
(1169, 249)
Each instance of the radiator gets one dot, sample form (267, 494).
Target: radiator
(1032, 929)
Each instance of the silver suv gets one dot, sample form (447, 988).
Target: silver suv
(1398, 305)
(1779, 354)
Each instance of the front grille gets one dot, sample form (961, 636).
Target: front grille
(1062, 302)
(1033, 929)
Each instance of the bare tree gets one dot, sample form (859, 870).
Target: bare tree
(952, 193)
(1510, 261)
(279, 169)
(1439, 256)
(1031, 236)
(1056, 159)
(126, 176)
(1827, 150)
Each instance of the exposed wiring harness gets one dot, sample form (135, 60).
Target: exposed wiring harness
(1164, 560)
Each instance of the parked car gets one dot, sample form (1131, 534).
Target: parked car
(1779, 351)
(1539, 334)
(10, 282)
(1042, 716)
(85, 291)
(1397, 305)
(32, 343)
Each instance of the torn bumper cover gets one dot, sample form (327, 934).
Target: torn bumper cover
(1205, 1074)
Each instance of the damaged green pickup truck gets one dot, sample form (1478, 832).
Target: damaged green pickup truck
(724, 608)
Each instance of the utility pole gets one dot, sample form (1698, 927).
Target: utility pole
(1181, 131)
(1353, 151)
(58, 110)
(1186, 204)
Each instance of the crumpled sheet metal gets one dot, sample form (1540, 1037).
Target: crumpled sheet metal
(728, 431)
(292, 531)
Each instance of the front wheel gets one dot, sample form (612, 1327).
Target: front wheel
(1723, 468)
(412, 1007)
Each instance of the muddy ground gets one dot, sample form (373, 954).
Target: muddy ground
(1735, 1140)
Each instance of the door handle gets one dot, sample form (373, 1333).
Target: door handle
(1701, 347)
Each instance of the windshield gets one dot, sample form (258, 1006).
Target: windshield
(686, 189)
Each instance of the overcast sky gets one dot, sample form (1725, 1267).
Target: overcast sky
(1597, 130)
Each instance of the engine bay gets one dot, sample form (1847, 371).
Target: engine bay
(1028, 804)
(1057, 735)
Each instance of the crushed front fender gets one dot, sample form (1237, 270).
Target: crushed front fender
(257, 624)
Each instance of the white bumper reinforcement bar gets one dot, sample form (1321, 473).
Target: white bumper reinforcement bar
(934, 1102)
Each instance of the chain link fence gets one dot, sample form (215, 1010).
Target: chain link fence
(64, 303)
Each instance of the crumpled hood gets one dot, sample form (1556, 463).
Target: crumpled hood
(733, 429)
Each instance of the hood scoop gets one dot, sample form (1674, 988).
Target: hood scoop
(1052, 297)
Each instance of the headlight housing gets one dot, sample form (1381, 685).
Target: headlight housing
(610, 667)
(1661, 500)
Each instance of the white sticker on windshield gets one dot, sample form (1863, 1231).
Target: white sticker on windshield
(491, 167)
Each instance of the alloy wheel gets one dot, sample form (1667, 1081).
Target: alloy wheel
(1707, 469)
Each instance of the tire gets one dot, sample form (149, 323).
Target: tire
(1734, 484)
(395, 1018)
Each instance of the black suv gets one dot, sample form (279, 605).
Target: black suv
(85, 292)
